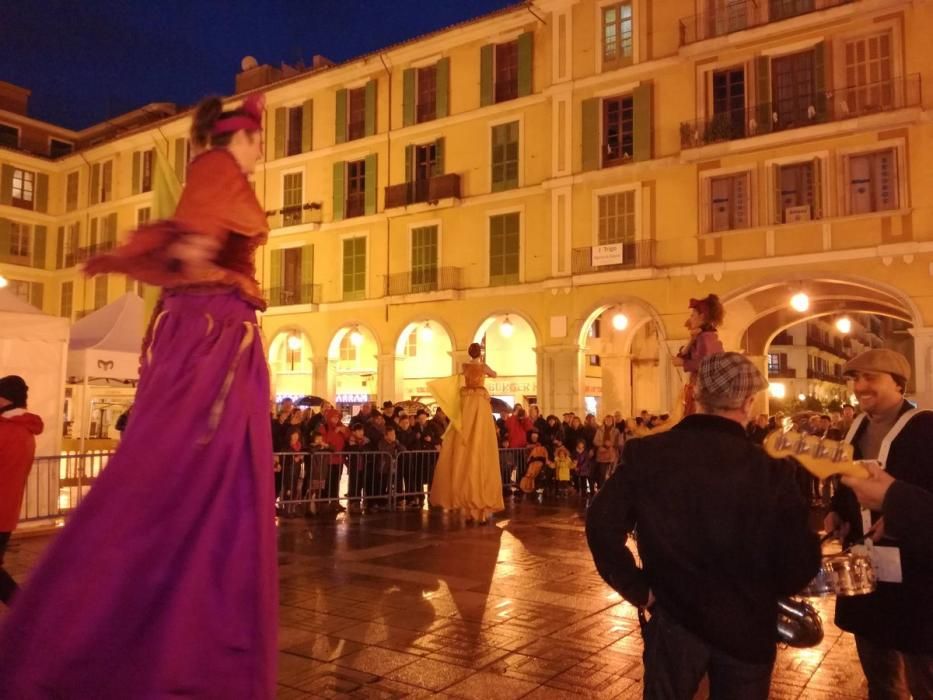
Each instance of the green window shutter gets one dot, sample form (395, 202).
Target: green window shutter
(371, 172)
(35, 294)
(75, 234)
(307, 124)
(340, 170)
(591, 135)
(6, 184)
(5, 235)
(307, 274)
(641, 127)
(817, 189)
(409, 163)
(370, 116)
(276, 270)
(763, 76)
(42, 192)
(487, 93)
(95, 183)
(281, 131)
(137, 172)
(340, 125)
(112, 228)
(60, 249)
(819, 80)
(442, 87)
(439, 156)
(180, 164)
(525, 63)
(408, 97)
(38, 256)
(92, 234)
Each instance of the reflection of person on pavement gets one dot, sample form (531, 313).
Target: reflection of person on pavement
(468, 476)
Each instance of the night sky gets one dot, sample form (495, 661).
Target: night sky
(87, 61)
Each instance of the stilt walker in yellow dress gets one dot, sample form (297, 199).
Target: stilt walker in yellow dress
(467, 477)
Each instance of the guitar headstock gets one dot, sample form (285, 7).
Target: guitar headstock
(822, 458)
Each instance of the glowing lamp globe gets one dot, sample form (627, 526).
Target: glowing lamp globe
(800, 302)
(3, 282)
(844, 325)
(620, 322)
(426, 333)
(294, 342)
(777, 390)
(356, 337)
(507, 329)
(801, 397)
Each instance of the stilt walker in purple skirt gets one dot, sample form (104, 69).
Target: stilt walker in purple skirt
(164, 581)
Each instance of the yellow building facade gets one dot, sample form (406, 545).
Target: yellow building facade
(555, 180)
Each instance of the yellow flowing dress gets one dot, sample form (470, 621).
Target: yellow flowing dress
(468, 477)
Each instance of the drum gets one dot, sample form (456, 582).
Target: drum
(846, 574)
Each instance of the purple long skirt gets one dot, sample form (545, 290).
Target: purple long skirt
(164, 580)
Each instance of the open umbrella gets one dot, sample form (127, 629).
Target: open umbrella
(411, 407)
(499, 406)
(309, 401)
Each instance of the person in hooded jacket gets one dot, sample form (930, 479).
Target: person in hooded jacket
(18, 430)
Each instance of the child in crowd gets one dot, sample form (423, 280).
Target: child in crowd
(563, 465)
(318, 462)
(536, 462)
(582, 467)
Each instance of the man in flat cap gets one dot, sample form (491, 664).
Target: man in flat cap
(893, 626)
(722, 534)
(18, 430)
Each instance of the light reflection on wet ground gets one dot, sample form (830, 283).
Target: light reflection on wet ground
(419, 604)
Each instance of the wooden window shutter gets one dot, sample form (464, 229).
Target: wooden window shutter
(307, 271)
(740, 202)
(92, 234)
(112, 228)
(885, 177)
(281, 131)
(408, 97)
(641, 127)
(6, 185)
(95, 183)
(409, 163)
(180, 159)
(75, 234)
(369, 127)
(591, 133)
(340, 123)
(40, 233)
(525, 63)
(819, 80)
(307, 124)
(137, 172)
(817, 184)
(42, 192)
(370, 196)
(275, 273)
(340, 169)
(35, 294)
(442, 88)
(60, 249)
(486, 81)
(763, 96)
(720, 204)
(439, 156)
(860, 176)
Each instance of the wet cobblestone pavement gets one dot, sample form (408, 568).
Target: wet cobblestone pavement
(417, 604)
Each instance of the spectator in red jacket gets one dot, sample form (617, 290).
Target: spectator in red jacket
(18, 430)
(518, 424)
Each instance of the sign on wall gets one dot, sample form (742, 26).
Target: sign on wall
(611, 254)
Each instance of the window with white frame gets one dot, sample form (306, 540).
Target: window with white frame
(504, 248)
(869, 71)
(19, 240)
(411, 344)
(24, 183)
(292, 193)
(729, 205)
(798, 192)
(872, 181)
(616, 216)
(616, 35)
(504, 156)
(143, 215)
(347, 348)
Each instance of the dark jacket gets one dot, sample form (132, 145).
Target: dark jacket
(722, 532)
(908, 515)
(897, 615)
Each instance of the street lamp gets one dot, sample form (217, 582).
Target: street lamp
(507, 329)
(801, 397)
(844, 324)
(294, 345)
(800, 302)
(777, 390)
(3, 282)
(427, 333)
(620, 321)
(356, 337)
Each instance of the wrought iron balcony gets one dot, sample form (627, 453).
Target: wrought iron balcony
(832, 105)
(783, 373)
(290, 296)
(746, 14)
(308, 213)
(591, 259)
(88, 252)
(431, 190)
(434, 279)
(826, 376)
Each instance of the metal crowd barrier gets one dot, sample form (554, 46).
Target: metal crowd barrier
(57, 484)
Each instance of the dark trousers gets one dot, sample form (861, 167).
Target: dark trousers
(895, 675)
(8, 586)
(676, 661)
(332, 489)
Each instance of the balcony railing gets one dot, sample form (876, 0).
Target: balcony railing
(826, 376)
(592, 258)
(309, 213)
(783, 373)
(431, 190)
(737, 16)
(355, 204)
(289, 296)
(830, 106)
(88, 252)
(435, 279)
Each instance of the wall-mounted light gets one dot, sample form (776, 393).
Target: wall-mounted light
(356, 338)
(506, 328)
(844, 324)
(777, 390)
(426, 333)
(800, 302)
(620, 321)
(294, 343)
(3, 282)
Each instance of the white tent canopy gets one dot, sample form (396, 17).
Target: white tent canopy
(105, 344)
(34, 345)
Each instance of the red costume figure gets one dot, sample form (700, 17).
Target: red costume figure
(705, 317)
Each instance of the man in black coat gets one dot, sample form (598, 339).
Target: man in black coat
(722, 533)
(893, 626)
